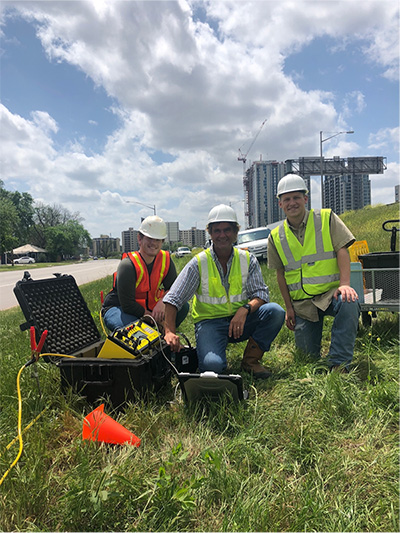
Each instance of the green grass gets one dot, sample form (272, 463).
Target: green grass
(366, 224)
(309, 451)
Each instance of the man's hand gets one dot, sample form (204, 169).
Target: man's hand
(347, 292)
(158, 312)
(170, 337)
(290, 318)
(237, 323)
(173, 341)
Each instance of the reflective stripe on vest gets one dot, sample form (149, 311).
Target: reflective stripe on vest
(311, 268)
(148, 290)
(211, 299)
(137, 263)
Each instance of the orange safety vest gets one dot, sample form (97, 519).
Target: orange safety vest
(148, 291)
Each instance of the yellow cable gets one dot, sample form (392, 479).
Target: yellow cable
(26, 428)
(21, 444)
(57, 355)
(102, 325)
(19, 436)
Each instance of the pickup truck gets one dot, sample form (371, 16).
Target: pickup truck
(182, 251)
(255, 241)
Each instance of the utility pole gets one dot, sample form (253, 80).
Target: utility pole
(153, 207)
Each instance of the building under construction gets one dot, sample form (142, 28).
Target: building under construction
(346, 187)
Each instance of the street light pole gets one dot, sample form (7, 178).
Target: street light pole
(153, 207)
(321, 140)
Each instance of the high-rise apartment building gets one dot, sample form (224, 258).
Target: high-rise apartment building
(129, 240)
(193, 237)
(263, 177)
(172, 231)
(105, 245)
(346, 184)
(262, 182)
(348, 192)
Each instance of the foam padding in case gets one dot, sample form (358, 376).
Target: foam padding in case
(56, 304)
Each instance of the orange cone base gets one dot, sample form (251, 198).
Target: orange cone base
(100, 427)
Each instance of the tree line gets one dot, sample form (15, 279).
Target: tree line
(51, 227)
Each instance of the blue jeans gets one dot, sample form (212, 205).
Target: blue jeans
(212, 335)
(343, 335)
(116, 318)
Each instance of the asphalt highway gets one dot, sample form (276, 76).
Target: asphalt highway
(82, 272)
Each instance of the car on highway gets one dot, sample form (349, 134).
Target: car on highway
(183, 251)
(25, 260)
(254, 240)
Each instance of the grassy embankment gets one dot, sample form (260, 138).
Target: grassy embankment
(309, 451)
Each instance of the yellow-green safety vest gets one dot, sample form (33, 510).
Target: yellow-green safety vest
(311, 268)
(211, 299)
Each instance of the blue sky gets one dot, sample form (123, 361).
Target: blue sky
(344, 72)
(110, 102)
(30, 82)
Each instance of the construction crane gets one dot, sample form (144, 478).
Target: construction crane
(243, 157)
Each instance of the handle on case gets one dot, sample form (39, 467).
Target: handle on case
(186, 339)
(98, 383)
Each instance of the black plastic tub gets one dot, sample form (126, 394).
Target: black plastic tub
(387, 280)
(380, 260)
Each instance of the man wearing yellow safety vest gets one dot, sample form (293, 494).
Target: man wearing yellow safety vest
(309, 253)
(142, 280)
(231, 300)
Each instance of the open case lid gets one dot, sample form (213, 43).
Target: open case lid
(211, 385)
(56, 304)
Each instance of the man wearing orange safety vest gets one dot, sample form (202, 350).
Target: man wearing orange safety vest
(142, 280)
(309, 253)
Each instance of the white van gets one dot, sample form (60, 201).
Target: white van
(254, 240)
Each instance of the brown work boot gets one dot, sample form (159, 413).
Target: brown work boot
(251, 361)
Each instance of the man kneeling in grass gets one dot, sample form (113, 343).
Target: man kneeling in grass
(309, 253)
(231, 301)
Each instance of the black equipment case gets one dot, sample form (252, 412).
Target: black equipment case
(56, 304)
(186, 359)
(119, 380)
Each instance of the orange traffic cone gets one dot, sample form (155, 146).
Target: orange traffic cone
(98, 426)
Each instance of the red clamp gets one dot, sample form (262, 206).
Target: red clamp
(36, 350)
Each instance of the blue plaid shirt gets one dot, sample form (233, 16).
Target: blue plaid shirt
(188, 281)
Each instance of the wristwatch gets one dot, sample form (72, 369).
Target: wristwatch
(248, 307)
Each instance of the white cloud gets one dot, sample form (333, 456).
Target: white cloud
(383, 47)
(382, 185)
(385, 139)
(44, 122)
(26, 149)
(354, 103)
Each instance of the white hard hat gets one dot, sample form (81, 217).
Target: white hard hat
(154, 227)
(291, 183)
(222, 213)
